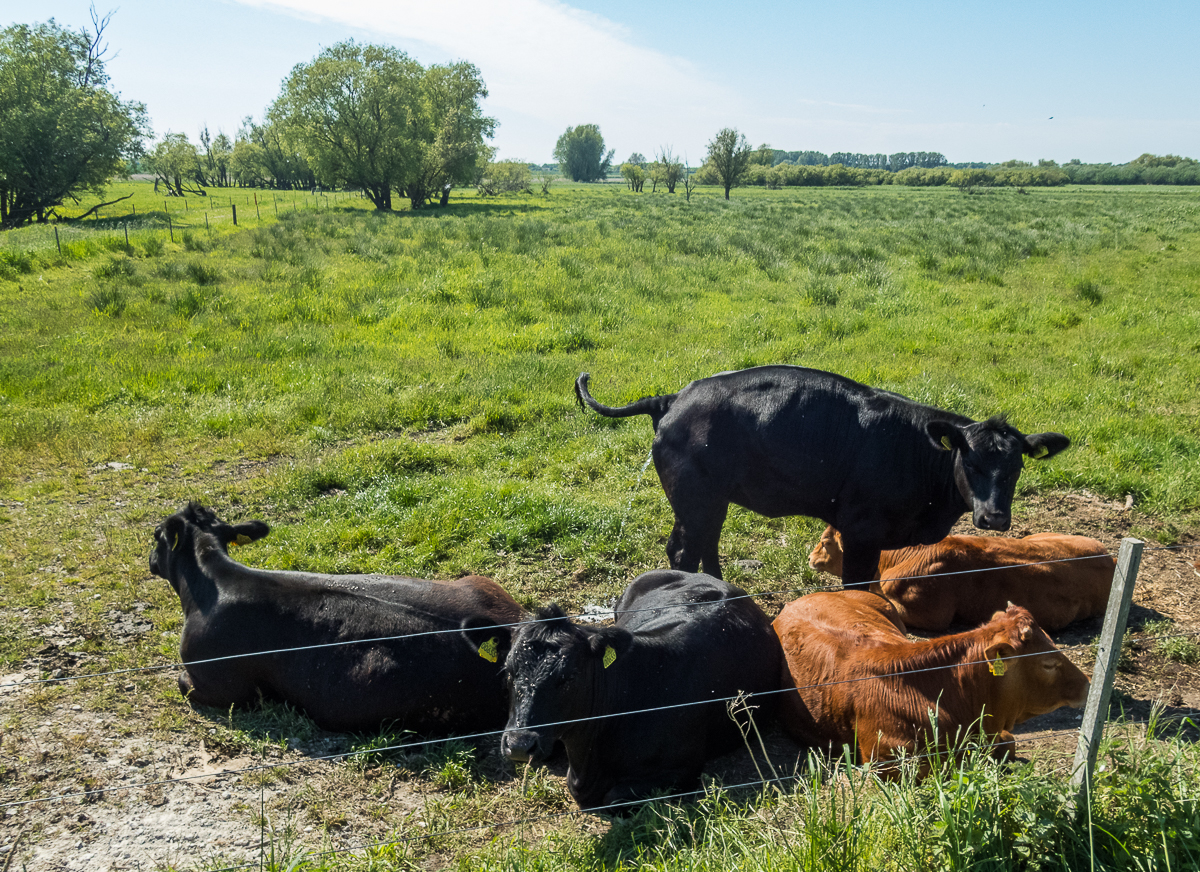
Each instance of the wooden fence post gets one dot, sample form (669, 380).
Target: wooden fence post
(1108, 653)
(233, 206)
(171, 228)
(57, 241)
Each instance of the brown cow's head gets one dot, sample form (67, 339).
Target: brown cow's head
(1035, 677)
(826, 555)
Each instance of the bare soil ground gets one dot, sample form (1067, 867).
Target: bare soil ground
(230, 810)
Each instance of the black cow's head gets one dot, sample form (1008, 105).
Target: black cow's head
(175, 537)
(987, 462)
(552, 672)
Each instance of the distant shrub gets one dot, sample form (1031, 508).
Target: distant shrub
(506, 177)
(14, 263)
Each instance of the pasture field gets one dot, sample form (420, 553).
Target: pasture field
(394, 393)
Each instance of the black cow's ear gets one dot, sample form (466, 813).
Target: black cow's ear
(486, 639)
(610, 644)
(247, 532)
(175, 531)
(1039, 446)
(946, 436)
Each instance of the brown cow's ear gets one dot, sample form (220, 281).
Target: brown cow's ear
(996, 654)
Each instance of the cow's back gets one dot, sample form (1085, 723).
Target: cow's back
(1059, 578)
(834, 643)
(354, 651)
(697, 639)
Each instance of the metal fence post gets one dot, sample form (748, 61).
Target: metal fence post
(1108, 653)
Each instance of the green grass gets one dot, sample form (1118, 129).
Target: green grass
(394, 392)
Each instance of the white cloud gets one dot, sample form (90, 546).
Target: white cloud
(549, 66)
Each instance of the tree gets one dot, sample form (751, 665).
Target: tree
(635, 175)
(354, 111)
(265, 154)
(764, 155)
(580, 153)
(666, 169)
(217, 154)
(62, 132)
(176, 161)
(450, 133)
(729, 156)
(506, 177)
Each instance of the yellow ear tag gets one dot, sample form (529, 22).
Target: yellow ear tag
(1041, 452)
(488, 650)
(610, 656)
(243, 539)
(946, 443)
(175, 547)
(997, 667)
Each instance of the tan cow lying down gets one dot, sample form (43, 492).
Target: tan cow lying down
(832, 641)
(1056, 593)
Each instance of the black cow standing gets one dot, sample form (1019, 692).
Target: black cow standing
(437, 683)
(682, 646)
(885, 471)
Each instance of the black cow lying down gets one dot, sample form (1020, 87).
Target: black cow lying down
(678, 638)
(884, 470)
(433, 684)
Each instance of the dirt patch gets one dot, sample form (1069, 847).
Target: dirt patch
(228, 809)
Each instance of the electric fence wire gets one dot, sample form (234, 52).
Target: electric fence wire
(583, 615)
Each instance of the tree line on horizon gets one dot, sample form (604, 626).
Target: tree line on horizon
(369, 117)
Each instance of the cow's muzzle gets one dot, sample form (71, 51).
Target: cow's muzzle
(523, 746)
(999, 521)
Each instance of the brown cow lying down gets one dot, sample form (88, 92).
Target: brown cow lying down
(831, 641)
(1055, 593)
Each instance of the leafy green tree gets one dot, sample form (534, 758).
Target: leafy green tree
(450, 131)
(728, 156)
(666, 170)
(581, 155)
(215, 163)
(506, 177)
(272, 157)
(176, 161)
(355, 112)
(635, 174)
(764, 155)
(62, 131)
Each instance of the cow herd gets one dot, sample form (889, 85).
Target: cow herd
(639, 705)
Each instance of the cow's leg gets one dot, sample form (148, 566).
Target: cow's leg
(695, 539)
(860, 564)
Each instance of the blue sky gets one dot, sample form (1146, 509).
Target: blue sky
(1099, 81)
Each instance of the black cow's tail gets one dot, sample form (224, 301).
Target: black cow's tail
(655, 407)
